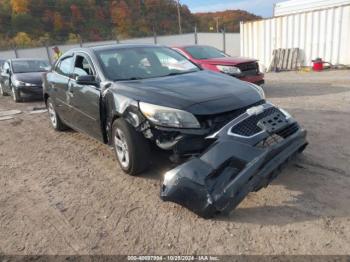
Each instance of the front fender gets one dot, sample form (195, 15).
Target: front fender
(116, 106)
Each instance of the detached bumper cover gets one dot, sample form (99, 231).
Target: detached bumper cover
(233, 167)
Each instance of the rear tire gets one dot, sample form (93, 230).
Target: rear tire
(55, 120)
(131, 148)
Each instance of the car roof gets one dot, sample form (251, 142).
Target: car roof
(26, 59)
(120, 46)
(186, 46)
(110, 47)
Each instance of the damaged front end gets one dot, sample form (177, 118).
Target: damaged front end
(248, 153)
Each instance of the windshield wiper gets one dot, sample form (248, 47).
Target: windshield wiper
(170, 74)
(180, 73)
(25, 72)
(129, 79)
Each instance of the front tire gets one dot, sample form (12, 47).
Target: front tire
(15, 95)
(131, 148)
(2, 91)
(55, 120)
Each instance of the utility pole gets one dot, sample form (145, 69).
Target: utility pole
(179, 16)
(217, 24)
(224, 40)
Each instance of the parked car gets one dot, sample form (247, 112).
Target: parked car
(22, 78)
(129, 96)
(213, 59)
(1, 63)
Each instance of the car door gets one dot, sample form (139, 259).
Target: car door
(6, 77)
(58, 81)
(84, 100)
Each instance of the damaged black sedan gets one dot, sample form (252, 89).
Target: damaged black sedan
(129, 96)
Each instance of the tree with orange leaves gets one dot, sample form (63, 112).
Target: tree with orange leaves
(58, 21)
(19, 6)
(121, 17)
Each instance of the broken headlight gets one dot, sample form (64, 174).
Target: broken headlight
(169, 117)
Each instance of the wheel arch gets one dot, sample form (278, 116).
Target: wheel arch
(46, 97)
(116, 106)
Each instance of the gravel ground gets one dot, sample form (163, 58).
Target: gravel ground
(62, 193)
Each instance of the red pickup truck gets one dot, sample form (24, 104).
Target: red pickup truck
(212, 59)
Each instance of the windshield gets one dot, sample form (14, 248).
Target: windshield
(143, 62)
(28, 66)
(204, 52)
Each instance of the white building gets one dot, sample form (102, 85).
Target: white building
(301, 6)
(319, 28)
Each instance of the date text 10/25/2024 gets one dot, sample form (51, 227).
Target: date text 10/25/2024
(172, 258)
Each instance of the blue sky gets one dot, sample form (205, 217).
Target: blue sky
(258, 7)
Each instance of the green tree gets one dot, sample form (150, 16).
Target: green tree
(61, 21)
(22, 40)
(73, 39)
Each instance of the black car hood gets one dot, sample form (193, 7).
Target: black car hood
(31, 78)
(201, 93)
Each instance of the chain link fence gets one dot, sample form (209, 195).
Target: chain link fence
(227, 42)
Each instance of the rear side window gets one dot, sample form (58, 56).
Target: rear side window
(5, 67)
(64, 67)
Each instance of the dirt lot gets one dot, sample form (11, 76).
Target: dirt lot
(62, 193)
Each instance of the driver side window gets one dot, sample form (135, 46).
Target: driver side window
(82, 67)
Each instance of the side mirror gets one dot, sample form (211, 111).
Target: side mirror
(87, 80)
(7, 71)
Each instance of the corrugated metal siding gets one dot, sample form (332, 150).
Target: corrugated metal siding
(300, 6)
(324, 33)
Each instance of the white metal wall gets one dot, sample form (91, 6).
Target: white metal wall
(324, 33)
(300, 6)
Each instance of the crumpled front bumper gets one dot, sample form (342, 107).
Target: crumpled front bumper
(234, 166)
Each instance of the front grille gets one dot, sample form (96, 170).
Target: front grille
(249, 126)
(218, 121)
(270, 141)
(279, 136)
(249, 68)
(288, 131)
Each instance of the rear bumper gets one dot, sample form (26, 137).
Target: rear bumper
(230, 169)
